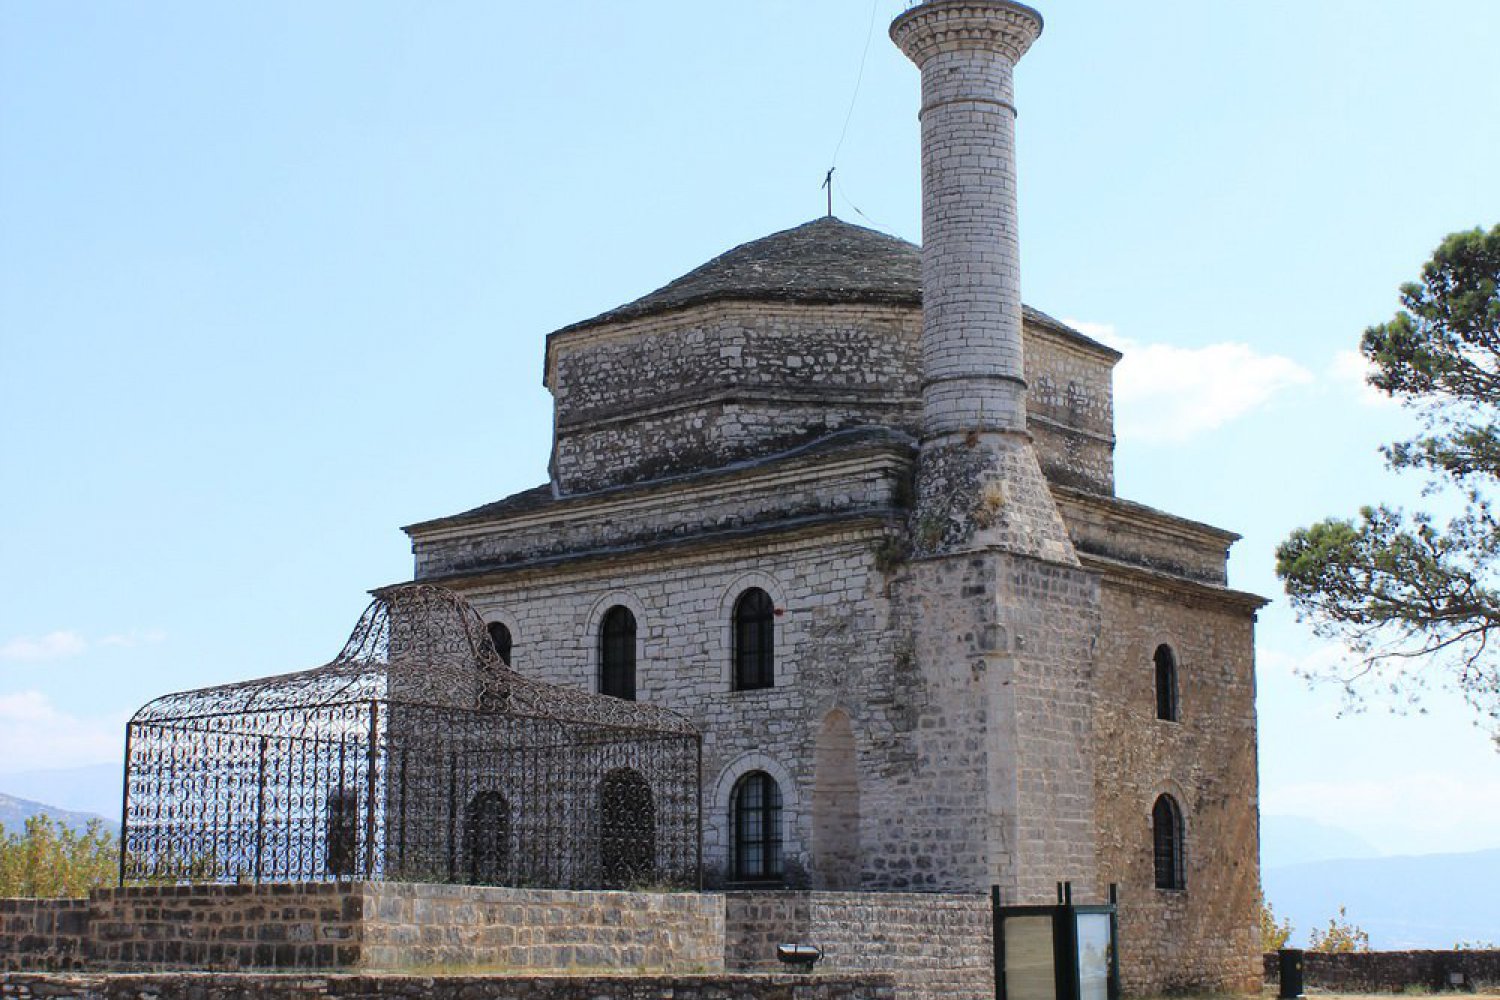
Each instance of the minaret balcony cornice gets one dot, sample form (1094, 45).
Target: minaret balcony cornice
(957, 25)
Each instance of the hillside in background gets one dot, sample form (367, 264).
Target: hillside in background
(1295, 840)
(14, 812)
(1415, 901)
(91, 789)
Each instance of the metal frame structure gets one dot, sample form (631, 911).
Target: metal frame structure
(415, 755)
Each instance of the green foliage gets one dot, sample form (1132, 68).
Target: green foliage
(1339, 936)
(51, 860)
(1476, 946)
(1407, 592)
(1274, 934)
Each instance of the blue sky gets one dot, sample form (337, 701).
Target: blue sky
(274, 280)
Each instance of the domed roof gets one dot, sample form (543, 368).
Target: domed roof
(823, 261)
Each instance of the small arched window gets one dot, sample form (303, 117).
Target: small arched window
(500, 636)
(1166, 683)
(617, 653)
(754, 641)
(627, 828)
(487, 838)
(1166, 844)
(756, 826)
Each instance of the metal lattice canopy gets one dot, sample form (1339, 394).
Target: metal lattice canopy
(415, 755)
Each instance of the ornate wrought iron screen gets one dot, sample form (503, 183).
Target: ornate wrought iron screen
(416, 755)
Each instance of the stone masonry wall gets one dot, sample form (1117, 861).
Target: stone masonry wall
(707, 386)
(1393, 971)
(1203, 937)
(933, 946)
(833, 651)
(711, 385)
(413, 925)
(43, 933)
(299, 926)
(223, 986)
(364, 925)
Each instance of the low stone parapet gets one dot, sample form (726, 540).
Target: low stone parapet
(1394, 971)
(43, 933)
(934, 945)
(230, 986)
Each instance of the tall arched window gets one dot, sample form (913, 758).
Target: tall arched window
(500, 636)
(754, 641)
(617, 653)
(487, 839)
(1166, 844)
(755, 823)
(1166, 683)
(627, 828)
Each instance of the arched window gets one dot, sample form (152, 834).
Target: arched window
(500, 636)
(342, 830)
(487, 839)
(617, 653)
(627, 829)
(756, 826)
(754, 641)
(1166, 683)
(1166, 844)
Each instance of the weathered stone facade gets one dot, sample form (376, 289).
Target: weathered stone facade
(918, 471)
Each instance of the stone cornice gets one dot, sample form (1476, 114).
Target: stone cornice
(951, 25)
(875, 523)
(1170, 586)
(674, 495)
(1158, 522)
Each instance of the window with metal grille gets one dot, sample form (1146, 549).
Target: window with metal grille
(756, 824)
(1166, 841)
(617, 653)
(1166, 683)
(754, 641)
(500, 636)
(627, 829)
(487, 838)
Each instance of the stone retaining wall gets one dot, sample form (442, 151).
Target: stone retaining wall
(933, 945)
(43, 933)
(1392, 971)
(364, 925)
(222, 986)
(285, 926)
(408, 925)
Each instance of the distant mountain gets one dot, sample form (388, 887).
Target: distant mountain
(1295, 840)
(1415, 901)
(14, 812)
(91, 789)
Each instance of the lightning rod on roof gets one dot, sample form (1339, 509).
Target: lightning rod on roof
(828, 183)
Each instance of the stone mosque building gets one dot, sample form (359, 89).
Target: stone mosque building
(849, 506)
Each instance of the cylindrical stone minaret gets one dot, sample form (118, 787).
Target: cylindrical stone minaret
(973, 378)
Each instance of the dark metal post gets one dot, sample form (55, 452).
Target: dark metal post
(453, 817)
(1114, 941)
(997, 940)
(125, 803)
(372, 760)
(1289, 963)
(699, 792)
(260, 808)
